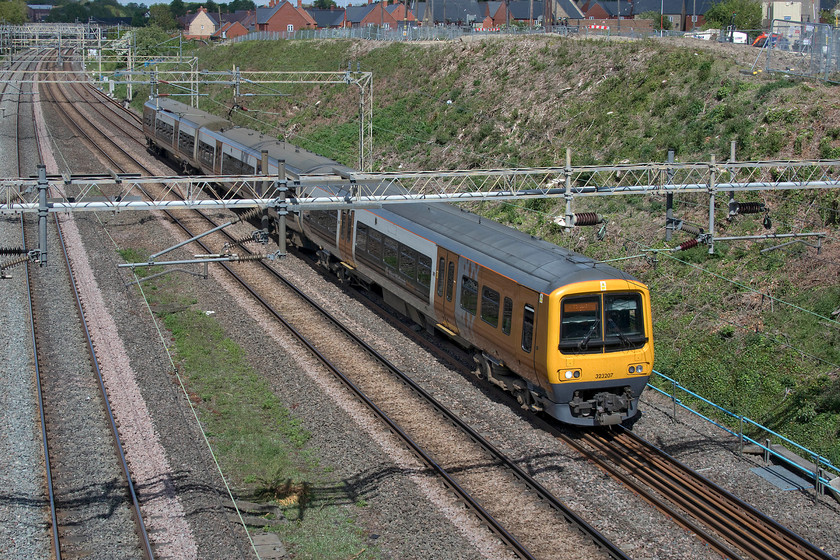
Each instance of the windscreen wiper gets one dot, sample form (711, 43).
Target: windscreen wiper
(584, 343)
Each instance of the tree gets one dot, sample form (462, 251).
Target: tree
(237, 5)
(152, 41)
(160, 16)
(747, 14)
(324, 4)
(659, 22)
(177, 8)
(13, 12)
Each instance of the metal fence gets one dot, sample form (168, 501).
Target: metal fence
(810, 50)
(821, 471)
(408, 33)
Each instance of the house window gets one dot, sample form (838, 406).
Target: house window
(290, 28)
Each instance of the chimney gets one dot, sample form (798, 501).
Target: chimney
(300, 4)
(370, 2)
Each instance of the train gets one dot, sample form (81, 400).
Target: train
(566, 335)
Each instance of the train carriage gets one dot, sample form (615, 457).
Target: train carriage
(563, 333)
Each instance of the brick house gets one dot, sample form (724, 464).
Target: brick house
(283, 16)
(371, 15)
(327, 19)
(199, 25)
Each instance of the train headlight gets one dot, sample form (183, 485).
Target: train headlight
(569, 374)
(639, 369)
(632, 369)
(577, 374)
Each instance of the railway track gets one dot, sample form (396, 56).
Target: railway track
(715, 535)
(93, 506)
(729, 525)
(484, 460)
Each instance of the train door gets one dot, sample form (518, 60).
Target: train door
(446, 279)
(345, 236)
(526, 312)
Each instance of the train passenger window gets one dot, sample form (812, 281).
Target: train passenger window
(490, 306)
(361, 237)
(450, 280)
(374, 244)
(408, 262)
(186, 142)
(206, 153)
(528, 328)
(507, 315)
(424, 271)
(469, 294)
(390, 254)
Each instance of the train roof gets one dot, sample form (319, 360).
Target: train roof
(528, 260)
(199, 118)
(298, 160)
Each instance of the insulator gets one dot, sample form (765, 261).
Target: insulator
(687, 245)
(14, 262)
(691, 229)
(251, 213)
(12, 251)
(587, 219)
(255, 257)
(750, 207)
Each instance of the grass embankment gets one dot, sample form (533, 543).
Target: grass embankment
(262, 447)
(522, 102)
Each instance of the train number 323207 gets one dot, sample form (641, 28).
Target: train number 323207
(603, 375)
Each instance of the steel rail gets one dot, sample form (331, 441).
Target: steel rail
(496, 527)
(628, 481)
(140, 525)
(571, 517)
(488, 519)
(37, 366)
(138, 514)
(41, 414)
(768, 537)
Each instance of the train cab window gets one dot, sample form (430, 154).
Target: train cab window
(424, 271)
(580, 323)
(390, 254)
(623, 325)
(507, 315)
(440, 271)
(469, 295)
(528, 328)
(490, 306)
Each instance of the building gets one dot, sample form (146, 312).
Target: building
(283, 16)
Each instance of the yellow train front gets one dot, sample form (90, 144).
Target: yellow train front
(604, 351)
